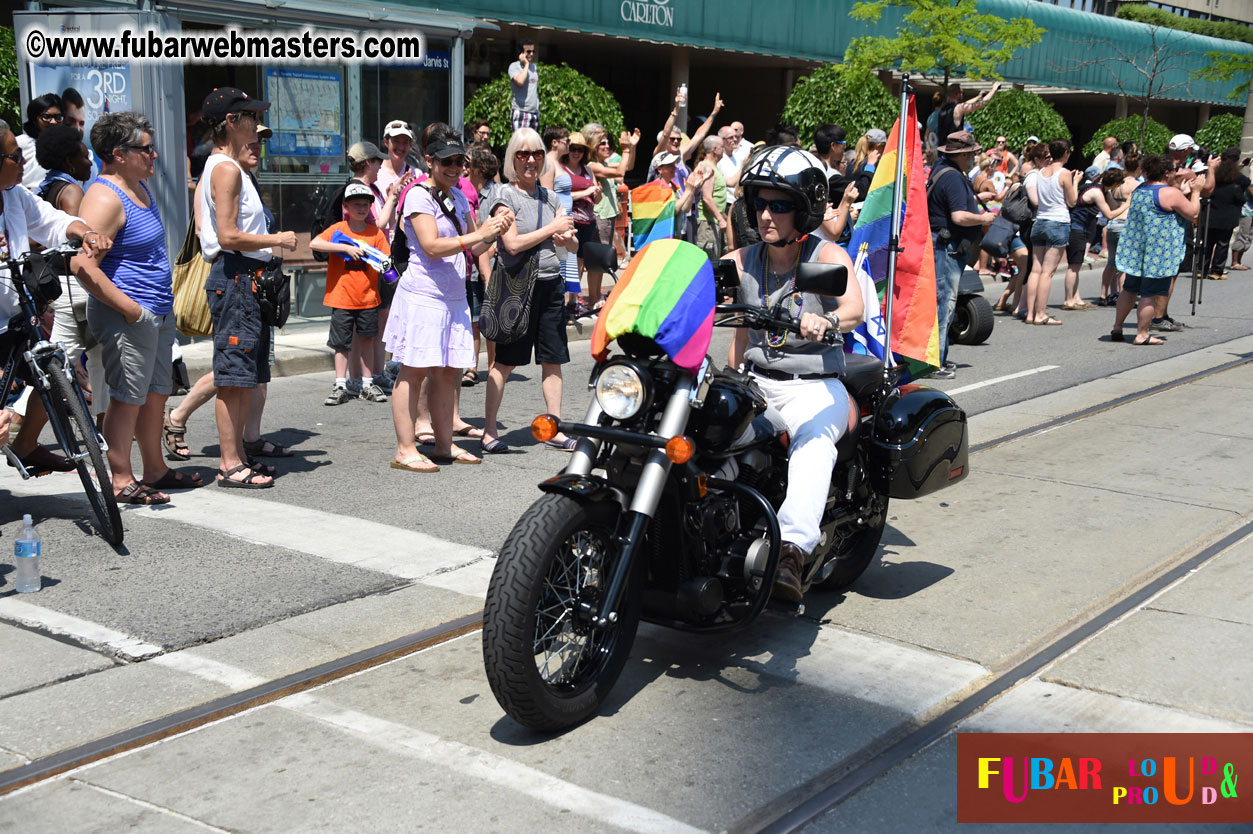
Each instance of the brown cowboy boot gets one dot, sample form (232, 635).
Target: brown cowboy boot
(787, 579)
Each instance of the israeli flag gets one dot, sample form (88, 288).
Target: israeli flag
(870, 337)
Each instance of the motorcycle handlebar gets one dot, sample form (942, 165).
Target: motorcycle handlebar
(759, 318)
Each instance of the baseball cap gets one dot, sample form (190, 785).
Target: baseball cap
(665, 159)
(227, 100)
(442, 148)
(1035, 139)
(876, 136)
(1181, 142)
(1092, 172)
(358, 189)
(364, 152)
(264, 131)
(398, 127)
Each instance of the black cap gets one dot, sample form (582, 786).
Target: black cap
(226, 100)
(442, 149)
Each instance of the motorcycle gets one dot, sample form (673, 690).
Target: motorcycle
(667, 511)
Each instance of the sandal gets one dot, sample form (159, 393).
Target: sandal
(1117, 336)
(262, 468)
(456, 455)
(262, 448)
(42, 461)
(174, 438)
(1151, 340)
(174, 479)
(226, 481)
(1080, 305)
(1048, 321)
(413, 464)
(470, 378)
(472, 432)
(425, 438)
(142, 494)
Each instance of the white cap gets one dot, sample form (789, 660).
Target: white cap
(398, 127)
(1035, 139)
(1182, 142)
(665, 158)
(1199, 167)
(358, 189)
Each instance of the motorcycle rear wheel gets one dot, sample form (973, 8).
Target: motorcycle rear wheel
(548, 668)
(857, 552)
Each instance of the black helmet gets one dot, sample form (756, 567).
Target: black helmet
(798, 172)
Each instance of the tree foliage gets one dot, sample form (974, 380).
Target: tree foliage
(10, 105)
(566, 98)
(1151, 135)
(1224, 29)
(1225, 66)
(1221, 132)
(941, 38)
(1017, 114)
(834, 93)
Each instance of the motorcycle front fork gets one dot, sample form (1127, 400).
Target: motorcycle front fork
(648, 490)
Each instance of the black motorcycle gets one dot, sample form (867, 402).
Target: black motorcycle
(667, 510)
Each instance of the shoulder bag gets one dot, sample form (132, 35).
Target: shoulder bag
(506, 313)
(191, 304)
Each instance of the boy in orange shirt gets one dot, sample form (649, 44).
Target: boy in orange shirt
(352, 294)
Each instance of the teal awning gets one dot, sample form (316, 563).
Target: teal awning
(820, 30)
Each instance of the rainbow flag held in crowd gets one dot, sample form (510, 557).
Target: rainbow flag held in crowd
(666, 294)
(652, 213)
(915, 328)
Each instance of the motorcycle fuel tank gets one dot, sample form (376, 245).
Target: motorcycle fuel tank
(730, 405)
(918, 443)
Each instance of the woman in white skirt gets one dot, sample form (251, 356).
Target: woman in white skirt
(429, 329)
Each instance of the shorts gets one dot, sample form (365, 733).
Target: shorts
(546, 332)
(520, 118)
(605, 228)
(348, 323)
(1051, 233)
(1016, 244)
(586, 233)
(1076, 247)
(474, 297)
(137, 356)
(241, 341)
(1147, 286)
(1111, 244)
(1244, 235)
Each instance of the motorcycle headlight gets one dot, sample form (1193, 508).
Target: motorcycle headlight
(621, 391)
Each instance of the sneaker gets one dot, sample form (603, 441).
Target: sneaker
(1165, 325)
(338, 396)
(1178, 324)
(947, 372)
(372, 393)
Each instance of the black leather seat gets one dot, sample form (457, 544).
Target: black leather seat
(862, 375)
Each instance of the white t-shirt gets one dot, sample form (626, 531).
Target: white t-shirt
(1052, 197)
(251, 219)
(26, 218)
(32, 172)
(729, 169)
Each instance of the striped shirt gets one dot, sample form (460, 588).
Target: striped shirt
(139, 264)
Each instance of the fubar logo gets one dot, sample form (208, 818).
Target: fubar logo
(655, 12)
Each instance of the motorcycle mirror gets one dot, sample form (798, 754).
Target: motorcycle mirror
(821, 279)
(726, 277)
(599, 257)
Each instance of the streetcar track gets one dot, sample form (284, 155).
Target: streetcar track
(189, 719)
(788, 812)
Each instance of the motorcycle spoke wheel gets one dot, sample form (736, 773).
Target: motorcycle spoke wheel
(547, 665)
(854, 552)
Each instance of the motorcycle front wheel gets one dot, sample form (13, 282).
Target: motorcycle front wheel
(548, 667)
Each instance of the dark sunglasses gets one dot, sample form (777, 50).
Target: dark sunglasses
(529, 51)
(16, 157)
(529, 154)
(147, 150)
(676, 138)
(775, 206)
(453, 162)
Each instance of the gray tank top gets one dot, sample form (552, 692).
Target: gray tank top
(786, 352)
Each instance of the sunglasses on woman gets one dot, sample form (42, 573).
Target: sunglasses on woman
(775, 206)
(146, 150)
(528, 154)
(453, 162)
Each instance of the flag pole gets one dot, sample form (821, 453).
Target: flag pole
(898, 200)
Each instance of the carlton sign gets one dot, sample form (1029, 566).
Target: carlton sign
(655, 12)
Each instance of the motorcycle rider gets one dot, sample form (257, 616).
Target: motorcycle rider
(785, 192)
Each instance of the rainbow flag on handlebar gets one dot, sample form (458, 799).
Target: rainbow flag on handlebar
(915, 328)
(666, 294)
(652, 213)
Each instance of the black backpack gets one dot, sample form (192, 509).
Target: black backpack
(328, 211)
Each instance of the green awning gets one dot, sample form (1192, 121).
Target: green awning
(820, 30)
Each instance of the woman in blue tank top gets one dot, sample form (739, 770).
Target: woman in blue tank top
(131, 309)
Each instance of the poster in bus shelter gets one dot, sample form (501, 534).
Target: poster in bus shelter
(105, 89)
(306, 112)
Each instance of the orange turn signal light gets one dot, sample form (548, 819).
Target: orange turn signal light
(544, 428)
(680, 449)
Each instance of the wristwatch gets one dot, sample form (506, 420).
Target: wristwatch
(835, 321)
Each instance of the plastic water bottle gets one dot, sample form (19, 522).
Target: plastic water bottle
(26, 555)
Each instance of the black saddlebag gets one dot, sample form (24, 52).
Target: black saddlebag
(918, 443)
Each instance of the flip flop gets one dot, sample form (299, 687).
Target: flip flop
(425, 439)
(496, 447)
(456, 455)
(1239, 267)
(470, 378)
(174, 438)
(411, 465)
(174, 479)
(1049, 321)
(142, 494)
(472, 432)
(225, 480)
(257, 449)
(1151, 340)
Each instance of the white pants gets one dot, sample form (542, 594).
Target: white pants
(65, 331)
(816, 413)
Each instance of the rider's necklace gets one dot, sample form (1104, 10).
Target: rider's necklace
(778, 338)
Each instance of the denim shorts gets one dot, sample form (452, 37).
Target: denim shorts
(1147, 286)
(241, 342)
(1051, 233)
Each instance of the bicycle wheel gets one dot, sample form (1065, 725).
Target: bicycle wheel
(78, 437)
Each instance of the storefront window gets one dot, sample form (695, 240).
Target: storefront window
(417, 94)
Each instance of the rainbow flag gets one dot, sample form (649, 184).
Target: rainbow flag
(666, 294)
(915, 328)
(652, 213)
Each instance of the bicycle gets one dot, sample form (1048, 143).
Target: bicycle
(48, 372)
